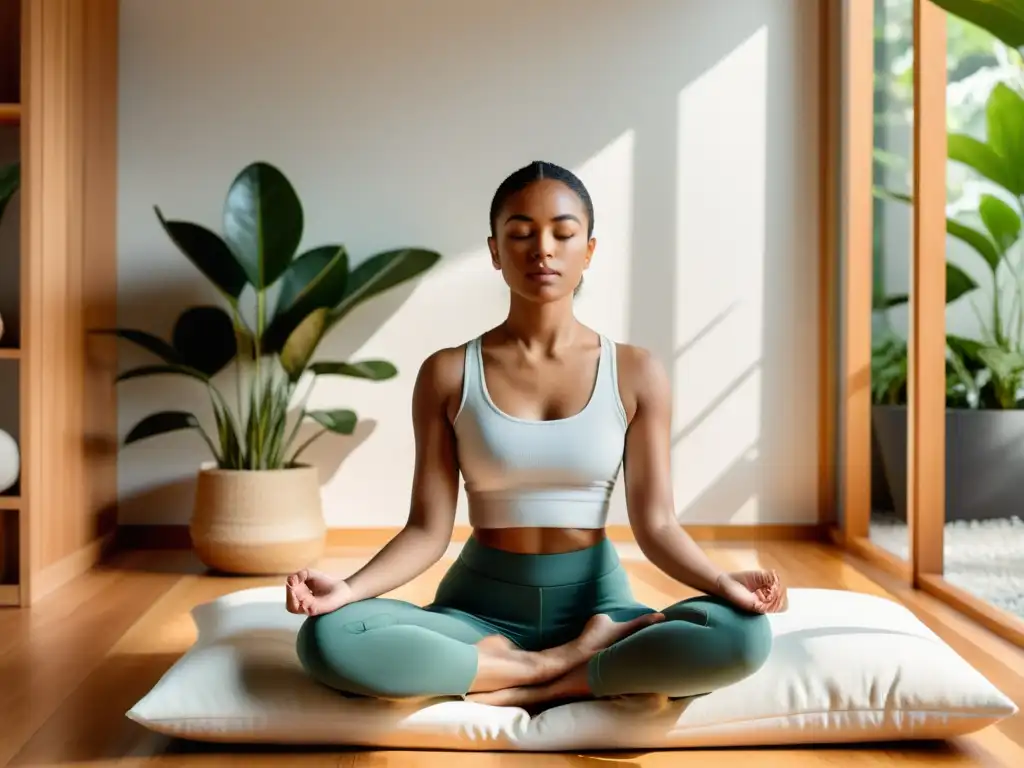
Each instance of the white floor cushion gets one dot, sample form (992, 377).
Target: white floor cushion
(846, 667)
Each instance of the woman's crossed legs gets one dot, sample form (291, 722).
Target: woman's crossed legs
(392, 649)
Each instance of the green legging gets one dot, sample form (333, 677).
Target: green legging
(393, 649)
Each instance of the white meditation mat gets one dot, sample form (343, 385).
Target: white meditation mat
(845, 667)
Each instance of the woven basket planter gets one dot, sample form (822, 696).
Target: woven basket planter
(258, 522)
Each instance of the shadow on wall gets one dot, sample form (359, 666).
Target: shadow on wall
(686, 118)
(175, 498)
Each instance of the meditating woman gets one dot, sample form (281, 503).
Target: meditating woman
(538, 414)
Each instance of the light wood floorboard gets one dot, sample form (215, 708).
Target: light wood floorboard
(72, 665)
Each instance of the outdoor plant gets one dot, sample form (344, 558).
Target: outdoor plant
(990, 370)
(890, 369)
(1003, 19)
(271, 348)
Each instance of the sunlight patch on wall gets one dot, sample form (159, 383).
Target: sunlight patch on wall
(603, 303)
(721, 199)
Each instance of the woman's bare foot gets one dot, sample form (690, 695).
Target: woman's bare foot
(503, 666)
(602, 631)
(573, 685)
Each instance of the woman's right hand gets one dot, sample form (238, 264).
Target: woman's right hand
(312, 593)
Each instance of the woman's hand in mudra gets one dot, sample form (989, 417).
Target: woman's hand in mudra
(313, 593)
(756, 591)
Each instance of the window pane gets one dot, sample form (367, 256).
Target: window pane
(892, 221)
(983, 549)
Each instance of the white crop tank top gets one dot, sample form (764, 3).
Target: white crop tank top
(522, 473)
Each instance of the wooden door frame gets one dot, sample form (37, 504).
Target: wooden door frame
(847, 265)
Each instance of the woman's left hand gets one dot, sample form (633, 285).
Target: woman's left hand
(756, 591)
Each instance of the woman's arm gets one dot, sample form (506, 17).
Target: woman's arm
(649, 497)
(428, 531)
(648, 476)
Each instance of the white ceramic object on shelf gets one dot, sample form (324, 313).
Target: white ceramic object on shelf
(10, 461)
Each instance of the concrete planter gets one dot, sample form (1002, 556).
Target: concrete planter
(258, 522)
(984, 461)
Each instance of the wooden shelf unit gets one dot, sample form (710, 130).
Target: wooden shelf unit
(58, 105)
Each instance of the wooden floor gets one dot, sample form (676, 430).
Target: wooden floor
(71, 667)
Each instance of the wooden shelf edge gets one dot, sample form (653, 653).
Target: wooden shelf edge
(10, 353)
(10, 502)
(10, 595)
(10, 114)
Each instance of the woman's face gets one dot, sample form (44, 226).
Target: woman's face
(540, 242)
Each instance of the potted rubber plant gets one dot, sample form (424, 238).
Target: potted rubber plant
(257, 505)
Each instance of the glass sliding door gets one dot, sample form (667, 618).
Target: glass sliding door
(931, 287)
(983, 536)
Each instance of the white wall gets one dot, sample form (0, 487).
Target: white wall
(692, 121)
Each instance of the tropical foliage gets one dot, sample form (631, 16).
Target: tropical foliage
(988, 371)
(272, 348)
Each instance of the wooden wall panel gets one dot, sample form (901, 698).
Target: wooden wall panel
(69, 258)
(99, 285)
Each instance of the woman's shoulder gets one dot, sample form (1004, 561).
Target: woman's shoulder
(634, 361)
(443, 367)
(642, 377)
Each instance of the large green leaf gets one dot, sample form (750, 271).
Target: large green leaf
(315, 279)
(341, 422)
(144, 371)
(375, 370)
(208, 253)
(10, 181)
(888, 302)
(1001, 221)
(380, 273)
(967, 350)
(204, 337)
(1004, 113)
(147, 341)
(1004, 19)
(302, 343)
(983, 159)
(161, 423)
(979, 241)
(263, 222)
(958, 283)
